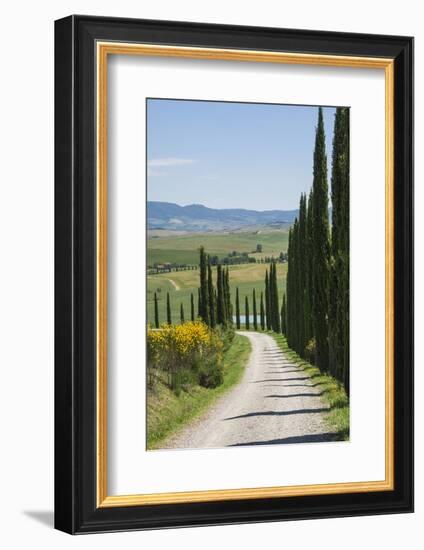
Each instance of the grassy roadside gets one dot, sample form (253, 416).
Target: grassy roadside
(332, 392)
(167, 412)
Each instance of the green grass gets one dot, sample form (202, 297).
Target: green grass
(246, 277)
(167, 412)
(160, 256)
(332, 391)
(185, 248)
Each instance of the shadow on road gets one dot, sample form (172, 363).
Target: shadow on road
(279, 379)
(294, 395)
(278, 413)
(311, 438)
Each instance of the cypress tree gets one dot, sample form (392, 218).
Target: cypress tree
(262, 312)
(283, 316)
(199, 309)
(277, 301)
(339, 272)
(271, 297)
(225, 293)
(302, 275)
(237, 309)
(344, 303)
(220, 296)
(295, 286)
(156, 312)
(192, 307)
(168, 309)
(309, 290)
(182, 313)
(321, 246)
(229, 308)
(246, 313)
(204, 297)
(211, 297)
(274, 298)
(289, 290)
(267, 301)
(255, 312)
(216, 306)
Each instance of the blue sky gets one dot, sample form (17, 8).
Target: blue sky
(232, 155)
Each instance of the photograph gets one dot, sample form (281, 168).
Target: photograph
(247, 274)
(234, 299)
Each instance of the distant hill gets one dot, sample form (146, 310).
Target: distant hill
(196, 217)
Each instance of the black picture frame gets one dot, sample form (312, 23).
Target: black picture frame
(75, 275)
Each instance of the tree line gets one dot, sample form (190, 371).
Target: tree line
(213, 301)
(268, 316)
(316, 317)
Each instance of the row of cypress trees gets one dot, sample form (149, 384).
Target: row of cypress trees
(316, 305)
(272, 313)
(215, 306)
(168, 310)
(269, 316)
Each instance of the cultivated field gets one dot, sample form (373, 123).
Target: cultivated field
(164, 247)
(184, 249)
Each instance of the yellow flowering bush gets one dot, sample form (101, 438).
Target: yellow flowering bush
(188, 353)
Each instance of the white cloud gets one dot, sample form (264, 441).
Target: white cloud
(169, 162)
(151, 172)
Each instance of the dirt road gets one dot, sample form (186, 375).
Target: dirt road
(174, 284)
(276, 402)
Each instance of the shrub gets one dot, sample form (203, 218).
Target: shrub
(185, 354)
(310, 351)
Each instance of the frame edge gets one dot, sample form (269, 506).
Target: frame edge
(64, 449)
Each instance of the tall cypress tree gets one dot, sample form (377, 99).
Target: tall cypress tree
(246, 313)
(192, 307)
(277, 301)
(271, 297)
(283, 316)
(168, 309)
(339, 272)
(344, 303)
(227, 293)
(309, 288)
(274, 298)
(220, 296)
(302, 275)
(262, 312)
(321, 246)
(204, 297)
(267, 301)
(237, 309)
(289, 290)
(295, 286)
(211, 297)
(182, 313)
(255, 312)
(156, 312)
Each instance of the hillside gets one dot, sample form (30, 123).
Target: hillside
(196, 217)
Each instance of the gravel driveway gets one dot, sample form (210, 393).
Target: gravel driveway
(276, 402)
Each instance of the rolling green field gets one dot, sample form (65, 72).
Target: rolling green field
(184, 249)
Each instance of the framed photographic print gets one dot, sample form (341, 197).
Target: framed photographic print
(233, 272)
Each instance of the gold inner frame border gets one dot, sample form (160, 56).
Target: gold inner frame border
(103, 50)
